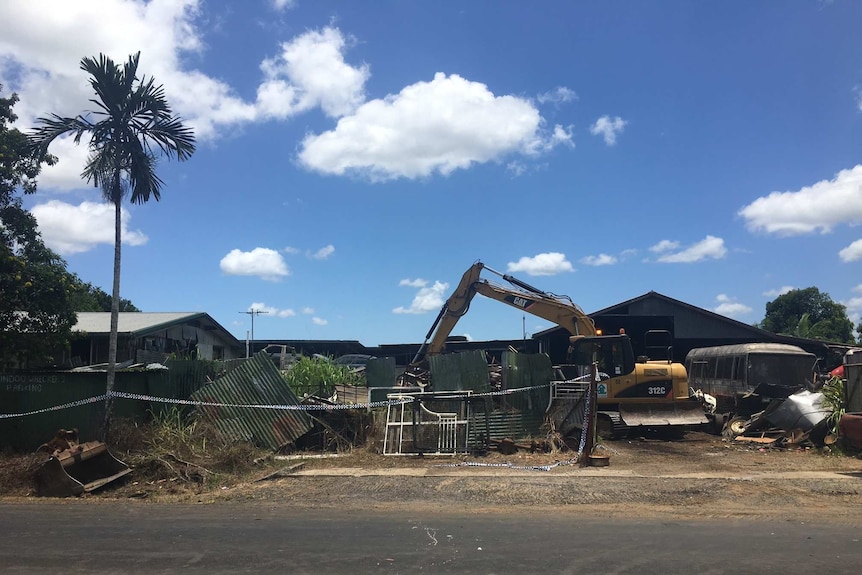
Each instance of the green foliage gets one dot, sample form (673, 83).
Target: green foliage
(808, 313)
(19, 166)
(833, 397)
(87, 297)
(36, 314)
(318, 376)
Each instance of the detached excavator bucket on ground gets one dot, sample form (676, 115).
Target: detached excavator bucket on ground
(79, 469)
(653, 415)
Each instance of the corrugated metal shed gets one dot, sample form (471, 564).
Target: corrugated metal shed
(255, 382)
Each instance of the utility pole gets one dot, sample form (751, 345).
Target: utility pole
(252, 312)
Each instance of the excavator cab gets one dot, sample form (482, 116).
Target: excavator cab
(612, 354)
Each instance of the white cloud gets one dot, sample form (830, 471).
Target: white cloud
(710, 247)
(516, 168)
(69, 229)
(427, 128)
(664, 246)
(270, 310)
(852, 252)
(854, 306)
(264, 263)
(290, 250)
(780, 291)
(819, 207)
(283, 4)
(729, 307)
(608, 128)
(319, 321)
(417, 283)
(427, 299)
(547, 264)
(599, 260)
(559, 95)
(308, 310)
(310, 73)
(323, 252)
(44, 40)
(431, 127)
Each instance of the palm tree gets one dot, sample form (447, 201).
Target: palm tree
(131, 128)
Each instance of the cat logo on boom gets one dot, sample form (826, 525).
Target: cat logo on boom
(521, 302)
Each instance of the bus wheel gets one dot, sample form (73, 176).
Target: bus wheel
(734, 427)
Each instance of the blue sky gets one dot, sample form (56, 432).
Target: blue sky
(355, 158)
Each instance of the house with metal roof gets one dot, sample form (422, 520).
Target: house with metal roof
(149, 337)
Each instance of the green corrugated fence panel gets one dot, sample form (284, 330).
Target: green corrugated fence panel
(26, 392)
(467, 370)
(522, 370)
(501, 425)
(519, 415)
(380, 372)
(255, 382)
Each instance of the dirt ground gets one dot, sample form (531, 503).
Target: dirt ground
(699, 475)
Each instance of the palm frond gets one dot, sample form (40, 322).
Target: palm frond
(52, 128)
(132, 119)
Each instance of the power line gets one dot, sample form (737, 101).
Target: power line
(252, 313)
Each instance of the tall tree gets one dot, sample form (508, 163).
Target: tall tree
(808, 313)
(36, 315)
(131, 127)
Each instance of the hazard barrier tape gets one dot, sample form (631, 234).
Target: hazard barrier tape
(587, 408)
(314, 407)
(56, 407)
(571, 461)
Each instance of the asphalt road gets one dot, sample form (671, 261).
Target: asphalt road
(139, 537)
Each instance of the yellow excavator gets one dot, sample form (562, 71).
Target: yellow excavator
(649, 393)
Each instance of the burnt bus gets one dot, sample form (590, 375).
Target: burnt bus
(745, 378)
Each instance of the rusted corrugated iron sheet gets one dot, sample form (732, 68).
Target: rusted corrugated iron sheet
(256, 382)
(466, 370)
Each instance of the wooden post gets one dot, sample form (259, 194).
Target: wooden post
(590, 418)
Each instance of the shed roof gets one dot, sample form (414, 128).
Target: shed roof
(137, 324)
(654, 295)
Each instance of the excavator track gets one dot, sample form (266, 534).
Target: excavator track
(610, 425)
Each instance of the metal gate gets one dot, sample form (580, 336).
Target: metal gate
(427, 423)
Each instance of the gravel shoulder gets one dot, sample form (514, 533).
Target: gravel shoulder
(697, 476)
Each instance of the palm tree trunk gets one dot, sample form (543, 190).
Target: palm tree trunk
(115, 320)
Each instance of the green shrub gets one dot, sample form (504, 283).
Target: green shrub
(318, 376)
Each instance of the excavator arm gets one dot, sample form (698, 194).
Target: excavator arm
(557, 309)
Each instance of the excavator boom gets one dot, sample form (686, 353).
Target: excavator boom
(560, 310)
